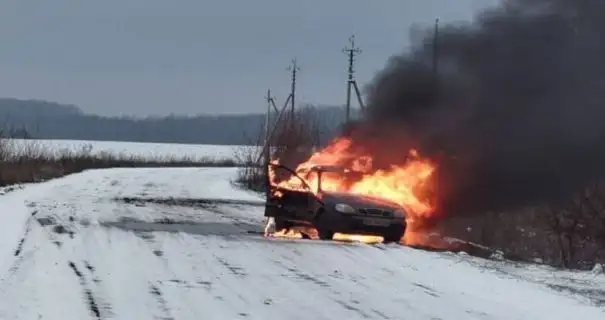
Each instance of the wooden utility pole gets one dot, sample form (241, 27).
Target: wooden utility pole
(278, 118)
(293, 69)
(266, 154)
(352, 51)
(267, 119)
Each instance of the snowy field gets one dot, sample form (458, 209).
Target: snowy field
(53, 148)
(81, 247)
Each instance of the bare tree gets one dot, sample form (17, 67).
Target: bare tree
(294, 138)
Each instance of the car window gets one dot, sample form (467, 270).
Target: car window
(339, 180)
(294, 180)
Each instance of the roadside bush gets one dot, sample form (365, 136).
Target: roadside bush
(569, 236)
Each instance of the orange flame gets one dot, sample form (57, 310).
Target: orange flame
(290, 234)
(406, 184)
(297, 233)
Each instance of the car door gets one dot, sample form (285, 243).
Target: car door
(291, 204)
(296, 205)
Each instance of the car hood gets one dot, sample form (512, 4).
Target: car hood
(359, 201)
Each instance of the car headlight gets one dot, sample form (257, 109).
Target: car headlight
(344, 208)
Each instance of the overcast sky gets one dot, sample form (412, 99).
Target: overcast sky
(142, 57)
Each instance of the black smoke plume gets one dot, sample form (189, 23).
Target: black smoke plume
(515, 112)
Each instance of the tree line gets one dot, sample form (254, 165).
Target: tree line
(48, 120)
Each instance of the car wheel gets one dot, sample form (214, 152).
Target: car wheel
(324, 234)
(394, 235)
(324, 231)
(281, 224)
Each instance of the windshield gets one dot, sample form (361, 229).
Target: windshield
(336, 179)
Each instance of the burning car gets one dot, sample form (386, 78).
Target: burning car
(331, 212)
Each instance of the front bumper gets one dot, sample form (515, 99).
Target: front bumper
(354, 224)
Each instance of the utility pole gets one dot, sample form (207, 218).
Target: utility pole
(278, 118)
(270, 103)
(267, 147)
(352, 51)
(293, 69)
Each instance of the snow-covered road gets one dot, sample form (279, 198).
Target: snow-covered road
(70, 249)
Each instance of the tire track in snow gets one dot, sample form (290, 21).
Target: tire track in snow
(149, 238)
(331, 280)
(19, 248)
(154, 286)
(92, 303)
(53, 228)
(95, 305)
(163, 305)
(237, 271)
(152, 290)
(350, 305)
(21, 242)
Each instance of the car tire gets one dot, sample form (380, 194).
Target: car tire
(281, 224)
(324, 231)
(394, 235)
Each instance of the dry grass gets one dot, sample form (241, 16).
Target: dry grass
(251, 175)
(31, 162)
(570, 236)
